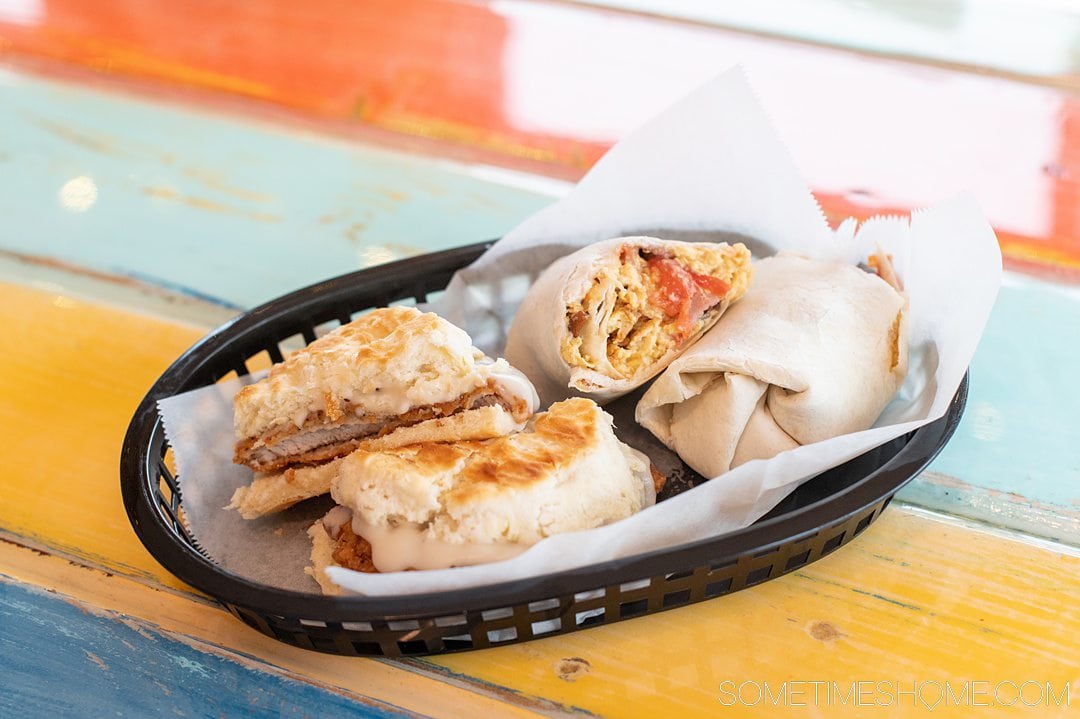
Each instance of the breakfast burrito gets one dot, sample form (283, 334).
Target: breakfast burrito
(814, 350)
(607, 318)
(438, 505)
(395, 376)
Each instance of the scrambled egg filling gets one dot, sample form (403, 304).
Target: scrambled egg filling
(638, 330)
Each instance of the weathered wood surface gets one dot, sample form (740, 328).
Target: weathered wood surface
(133, 225)
(553, 85)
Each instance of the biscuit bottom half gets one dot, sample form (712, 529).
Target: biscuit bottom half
(403, 548)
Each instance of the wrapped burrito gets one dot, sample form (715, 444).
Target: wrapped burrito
(392, 377)
(816, 349)
(607, 318)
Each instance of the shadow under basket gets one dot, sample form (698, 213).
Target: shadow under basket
(822, 515)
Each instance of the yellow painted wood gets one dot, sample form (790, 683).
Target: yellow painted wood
(71, 375)
(912, 599)
(212, 630)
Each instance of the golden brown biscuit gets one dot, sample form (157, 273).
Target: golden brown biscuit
(427, 506)
(390, 369)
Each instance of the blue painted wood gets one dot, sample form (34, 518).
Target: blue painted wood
(235, 211)
(59, 660)
(1015, 459)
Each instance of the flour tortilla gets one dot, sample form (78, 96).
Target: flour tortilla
(814, 350)
(540, 326)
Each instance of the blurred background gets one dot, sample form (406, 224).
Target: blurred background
(885, 106)
(165, 166)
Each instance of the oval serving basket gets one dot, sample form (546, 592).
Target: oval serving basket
(822, 515)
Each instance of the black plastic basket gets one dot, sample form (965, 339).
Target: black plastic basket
(822, 515)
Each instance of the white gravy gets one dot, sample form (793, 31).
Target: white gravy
(407, 546)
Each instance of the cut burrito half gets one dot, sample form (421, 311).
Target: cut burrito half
(815, 350)
(432, 506)
(607, 318)
(392, 377)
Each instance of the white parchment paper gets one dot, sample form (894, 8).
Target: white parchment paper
(710, 163)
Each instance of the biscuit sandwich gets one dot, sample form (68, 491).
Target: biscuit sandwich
(433, 506)
(394, 376)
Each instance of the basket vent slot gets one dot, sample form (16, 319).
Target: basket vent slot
(758, 575)
(832, 543)
(797, 560)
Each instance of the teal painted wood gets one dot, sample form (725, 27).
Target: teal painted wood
(235, 211)
(60, 659)
(1015, 459)
(240, 212)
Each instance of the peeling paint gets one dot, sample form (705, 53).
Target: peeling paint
(161, 675)
(77, 137)
(354, 232)
(426, 667)
(216, 181)
(824, 632)
(202, 203)
(883, 598)
(96, 659)
(572, 669)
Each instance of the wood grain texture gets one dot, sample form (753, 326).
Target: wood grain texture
(70, 377)
(913, 599)
(208, 629)
(1013, 461)
(97, 362)
(62, 658)
(230, 212)
(907, 577)
(223, 211)
(557, 84)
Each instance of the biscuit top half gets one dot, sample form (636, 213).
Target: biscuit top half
(383, 363)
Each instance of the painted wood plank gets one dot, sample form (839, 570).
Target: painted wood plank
(107, 534)
(100, 353)
(232, 212)
(62, 658)
(1014, 460)
(97, 362)
(209, 629)
(981, 35)
(79, 283)
(97, 349)
(70, 378)
(866, 132)
(914, 599)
